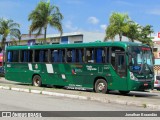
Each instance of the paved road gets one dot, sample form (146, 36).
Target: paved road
(20, 101)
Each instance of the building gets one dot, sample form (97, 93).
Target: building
(66, 38)
(156, 49)
(156, 52)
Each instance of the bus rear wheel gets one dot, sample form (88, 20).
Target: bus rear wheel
(101, 86)
(37, 81)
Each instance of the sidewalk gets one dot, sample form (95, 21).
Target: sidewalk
(141, 99)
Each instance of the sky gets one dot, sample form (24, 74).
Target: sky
(85, 15)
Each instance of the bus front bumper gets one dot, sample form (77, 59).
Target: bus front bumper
(141, 85)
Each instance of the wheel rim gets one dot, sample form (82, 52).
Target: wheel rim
(36, 81)
(101, 86)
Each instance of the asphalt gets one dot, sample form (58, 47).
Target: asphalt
(149, 99)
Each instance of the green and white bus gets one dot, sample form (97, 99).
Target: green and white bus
(98, 66)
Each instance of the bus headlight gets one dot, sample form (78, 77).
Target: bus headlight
(132, 77)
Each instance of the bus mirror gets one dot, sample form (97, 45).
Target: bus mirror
(130, 59)
(153, 60)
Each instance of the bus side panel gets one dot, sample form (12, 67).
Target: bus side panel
(18, 72)
(118, 82)
(55, 74)
(83, 76)
(76, 74)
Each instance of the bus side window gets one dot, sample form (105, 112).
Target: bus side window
(41, 56)
(90, 55)
(9, 57)
(61, 55)
(107, 55)
(79, 55)
(23, 56)
(29, 55)
(69, 55)
(54, 55)
(37, 56)
(46, 54)
(113, 59)
(26, 56)
(100, 55)
(58, 55)
(73, 55)
(15, 56)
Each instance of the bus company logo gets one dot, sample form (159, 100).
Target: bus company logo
(21, 114)
(36, 66)
(6, 114)
(90, 68)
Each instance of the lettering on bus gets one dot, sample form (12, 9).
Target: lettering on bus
(77, 70)
(90, 68)
(77, 66)
(75, 87)
(106, 67)
(145, 48)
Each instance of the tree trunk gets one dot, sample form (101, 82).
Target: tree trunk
(3, 43)
(120, 37)
(45, 33)
(132, 40)
(3, 49)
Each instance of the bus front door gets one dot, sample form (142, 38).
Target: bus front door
(120, 78)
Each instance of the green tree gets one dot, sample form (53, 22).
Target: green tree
(145, 35)
(8, 28)
(134, 31)
(45, 14)
(118, 25)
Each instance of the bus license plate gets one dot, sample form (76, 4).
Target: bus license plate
(145, 84)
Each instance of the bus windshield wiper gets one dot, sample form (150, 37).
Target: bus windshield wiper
(142, 68)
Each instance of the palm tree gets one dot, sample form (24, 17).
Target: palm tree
(118, 25)
(134, 31)
(145, 35)
(44, 15)
(8, 28)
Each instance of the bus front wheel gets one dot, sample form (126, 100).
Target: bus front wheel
(101, 86)
(37, 81)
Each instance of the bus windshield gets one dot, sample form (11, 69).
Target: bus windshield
(140, 60)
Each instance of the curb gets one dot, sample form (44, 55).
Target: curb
(103, 100)
(44, 92)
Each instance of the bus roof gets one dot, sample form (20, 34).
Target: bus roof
(76, 45)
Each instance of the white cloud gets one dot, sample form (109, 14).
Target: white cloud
(154, 12)
(68, 25)
(103, 26)
(93, 20)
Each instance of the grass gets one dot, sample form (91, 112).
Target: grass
(144, 105)
(29, 90)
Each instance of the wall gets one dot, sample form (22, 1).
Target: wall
(73, 39)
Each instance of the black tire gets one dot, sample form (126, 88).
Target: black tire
(101, 86)
(124, 92)
(37, 81)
